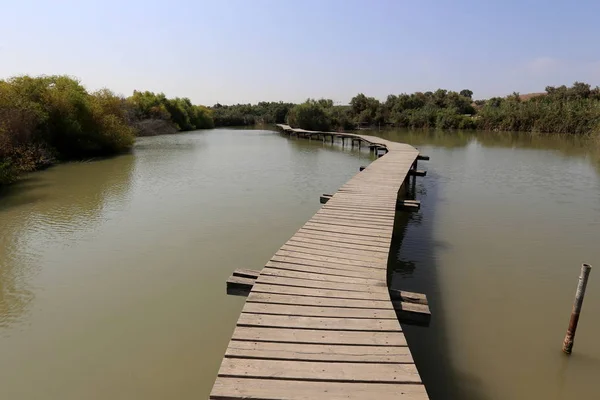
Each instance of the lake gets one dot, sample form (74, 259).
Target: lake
(112, 272)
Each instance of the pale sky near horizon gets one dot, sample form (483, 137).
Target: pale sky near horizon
(235, 51)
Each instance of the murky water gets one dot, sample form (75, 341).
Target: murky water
(505, 223)
(112, 273)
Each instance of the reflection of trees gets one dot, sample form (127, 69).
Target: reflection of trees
(422, 137)
(45, 206)
(567, 145)
(413, 266)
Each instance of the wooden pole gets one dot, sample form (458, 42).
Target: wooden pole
(570, 336)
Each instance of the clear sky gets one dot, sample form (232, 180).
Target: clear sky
(232, 51)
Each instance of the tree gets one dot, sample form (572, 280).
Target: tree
(466, 93)
(309, 115)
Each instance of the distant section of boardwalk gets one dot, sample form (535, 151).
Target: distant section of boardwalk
(319, 322)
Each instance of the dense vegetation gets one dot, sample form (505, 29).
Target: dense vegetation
(439, 109)
(249, 114)
(52, 118)
(574, 110)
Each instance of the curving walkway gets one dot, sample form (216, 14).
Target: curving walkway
(319, 322)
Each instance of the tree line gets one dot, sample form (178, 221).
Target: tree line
(569, 110)
(48, 119)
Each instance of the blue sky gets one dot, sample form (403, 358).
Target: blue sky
(232, 51)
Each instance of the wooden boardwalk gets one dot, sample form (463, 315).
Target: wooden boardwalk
(319, 322)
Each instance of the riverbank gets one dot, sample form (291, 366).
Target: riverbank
(49, 119)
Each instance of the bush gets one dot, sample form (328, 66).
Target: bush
(309, 115)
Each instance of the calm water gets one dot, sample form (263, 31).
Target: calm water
(112, 273)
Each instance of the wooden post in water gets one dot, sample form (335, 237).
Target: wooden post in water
(570, 337)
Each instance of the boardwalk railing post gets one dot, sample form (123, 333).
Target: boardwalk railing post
(570, 336)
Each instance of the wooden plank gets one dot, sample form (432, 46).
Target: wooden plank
(359, 215)
(266, 389)
(354, 231)
(352, 211)
(370, 271)
(348, 214)
(408, 297)
(338, 244)
(239, 283)
(322, 302)
(317, 352)
(319, 337)
(317, 311)
(380, 253)
(412, 313)
(338, 260)
(269, 271)
(361, 204)
(328, 251)
(317, 292)
(246, 273)
(349, 197)
(344, 271)
(320, 371)
(316, 323)
(371, 210)
(345, 237)
(379, 287)
(335, 220)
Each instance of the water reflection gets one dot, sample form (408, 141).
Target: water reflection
(504, 217)
(42, 208)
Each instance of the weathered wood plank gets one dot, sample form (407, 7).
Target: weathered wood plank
(345, 271)
(345, 237)
(317, 323)
(318, 336)
(317, 311)
(338, 243)
(264, 389)
(317, 276)
(409, 297)
(298, 260)
(323, 302)
(318, 292)
(353, 222)
(320, 371)
(330, 245)
(317, 352)
(379, 287)
(331, 259)
(355, 232)
(336, 253)
(246, 273)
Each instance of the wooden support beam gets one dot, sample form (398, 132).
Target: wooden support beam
(362, 168)
(412, 313)
(408, 205)
(423, 158)
(246, 273)
(408, 297)
(325, 198)
(241, 282)
(414, 172)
